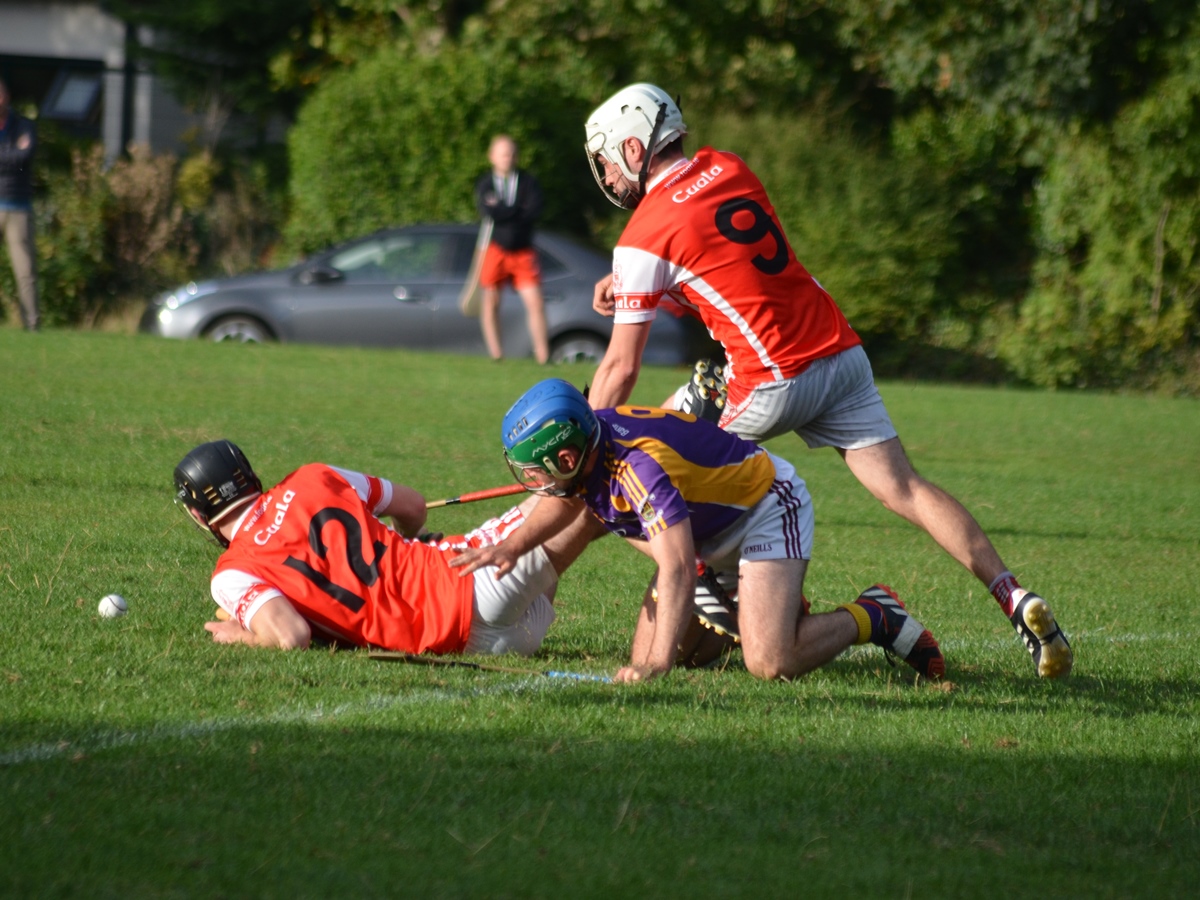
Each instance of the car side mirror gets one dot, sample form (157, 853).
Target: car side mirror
(319, 275)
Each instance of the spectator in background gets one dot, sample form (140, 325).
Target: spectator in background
(512, 199)
(17, 143)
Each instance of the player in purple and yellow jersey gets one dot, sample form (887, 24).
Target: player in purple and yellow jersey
(679, 488)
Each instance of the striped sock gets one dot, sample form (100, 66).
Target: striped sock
(868, 617)
(1002, 589)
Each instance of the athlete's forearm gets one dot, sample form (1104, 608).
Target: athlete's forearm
(277, 624)
(622, 363)
(612, 385)
(675, 593)
(407, 509)
(549, 517)
(675, 552)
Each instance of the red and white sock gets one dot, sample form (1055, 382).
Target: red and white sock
(1002, 589)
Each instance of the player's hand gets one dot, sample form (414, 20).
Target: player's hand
(23, 142)
(227, 632)
(631, 674)
(474, 558)
(603, 300)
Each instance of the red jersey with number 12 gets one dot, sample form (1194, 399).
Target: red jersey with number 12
(313, 538)
(706, 241)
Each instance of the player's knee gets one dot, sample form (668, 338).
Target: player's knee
(767, 666)
(898, 493)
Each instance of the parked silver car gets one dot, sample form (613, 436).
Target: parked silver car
(399, 287)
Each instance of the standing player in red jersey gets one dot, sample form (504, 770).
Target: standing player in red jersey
(311, 557)
(704, 240)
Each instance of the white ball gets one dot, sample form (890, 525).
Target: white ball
(113, 605)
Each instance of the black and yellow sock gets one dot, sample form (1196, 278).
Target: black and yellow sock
(863, 618)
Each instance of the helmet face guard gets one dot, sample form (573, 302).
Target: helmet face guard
(213, 481)
(534, 461)
(552, 416)
(643, 111)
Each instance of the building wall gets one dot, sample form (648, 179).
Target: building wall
(71, 30)
(83, 32)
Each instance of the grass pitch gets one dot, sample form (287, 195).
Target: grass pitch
(139, 759)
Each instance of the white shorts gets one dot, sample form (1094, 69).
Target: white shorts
(832, 403)
(513, 614)
(779, 526)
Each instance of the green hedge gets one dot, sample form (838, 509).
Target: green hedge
(878, 236)
(400, 139)
(109, 238)
(1116, 299)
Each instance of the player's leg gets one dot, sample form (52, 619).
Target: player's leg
(779, 640)
(858, 425)
(535, 316)
(493, 273)
(884, 470)
(489, 320)
(770, 551)
(835, 403)
(527, 279)
(18, 235)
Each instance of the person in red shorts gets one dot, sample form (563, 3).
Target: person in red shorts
(704, 240)
(312, 558)
(512, 199)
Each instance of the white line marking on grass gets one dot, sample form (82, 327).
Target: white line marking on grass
(1090, 638)
(962, 647)
(99, 740)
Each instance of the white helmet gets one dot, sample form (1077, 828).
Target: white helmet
(643, 111)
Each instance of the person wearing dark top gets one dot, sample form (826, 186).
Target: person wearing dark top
(17, 143)
(512, 199)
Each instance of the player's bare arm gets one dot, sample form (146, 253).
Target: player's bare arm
(407, 509)
(549, 517)
(622, 363)
(276, 624)
(603, 300)
(675, 553)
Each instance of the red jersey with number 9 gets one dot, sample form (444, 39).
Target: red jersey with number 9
(706, 241)
(314, 539)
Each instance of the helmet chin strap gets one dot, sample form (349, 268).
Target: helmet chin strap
(629, 195)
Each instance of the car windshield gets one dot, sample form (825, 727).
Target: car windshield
(393, 257)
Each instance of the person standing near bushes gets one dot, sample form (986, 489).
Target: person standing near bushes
(18, 140)
(512, 199)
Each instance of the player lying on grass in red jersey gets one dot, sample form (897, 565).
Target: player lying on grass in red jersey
(680, 488)
(311, 557)
(704, 240)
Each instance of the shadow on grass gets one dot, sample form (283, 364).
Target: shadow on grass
(511, 809)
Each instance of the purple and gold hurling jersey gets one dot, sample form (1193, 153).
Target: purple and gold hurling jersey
(659, 467)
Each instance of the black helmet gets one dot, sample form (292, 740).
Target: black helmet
(212, 480)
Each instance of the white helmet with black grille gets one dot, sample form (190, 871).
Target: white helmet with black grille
(643, 111)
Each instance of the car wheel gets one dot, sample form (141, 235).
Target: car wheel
(578, 347)
(240, 329)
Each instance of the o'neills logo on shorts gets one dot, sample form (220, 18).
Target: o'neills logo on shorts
(705, 179)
